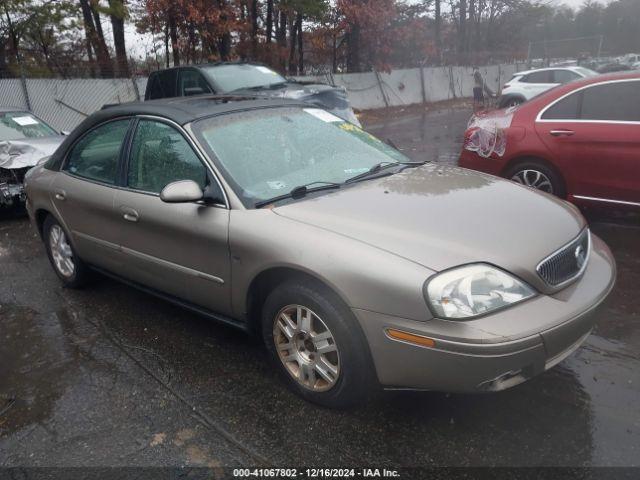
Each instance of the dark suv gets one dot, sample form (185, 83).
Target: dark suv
(245, 79)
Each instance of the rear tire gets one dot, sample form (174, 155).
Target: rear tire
(536, 174)
(316, 345)
(65, 262)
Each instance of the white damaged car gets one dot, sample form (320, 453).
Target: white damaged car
(24, 140)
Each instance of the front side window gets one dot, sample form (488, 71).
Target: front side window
(266, 153)
(192, 83)
(565, 109)
(227, 78)
(614, 102)
(21, 125)
(159, 156)
(96, 155)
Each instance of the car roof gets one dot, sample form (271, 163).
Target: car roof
(526, 72)
(210, 64)
(566, 88)
(183, 110)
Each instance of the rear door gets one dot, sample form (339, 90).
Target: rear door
(180, 249)
(84, 191)
(538, 82)
(595, 134)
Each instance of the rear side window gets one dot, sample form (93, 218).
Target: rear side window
(565, 109)
(159, 156)
(538, 77)
(192, 83)
(96, 155)
(613, 101)
(564, 76)
(162, 85)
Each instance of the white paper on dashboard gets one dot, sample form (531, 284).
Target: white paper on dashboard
(323, 115)
(24, 121)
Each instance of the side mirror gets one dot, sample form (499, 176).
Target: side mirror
(182, 191)
(189, 91)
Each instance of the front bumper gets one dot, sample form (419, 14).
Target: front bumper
(493, 352)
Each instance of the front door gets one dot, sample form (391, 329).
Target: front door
(181, 249)
(600, 145)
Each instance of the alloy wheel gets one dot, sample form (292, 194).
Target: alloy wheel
(306, 348)
(61, 252)
(534, 179)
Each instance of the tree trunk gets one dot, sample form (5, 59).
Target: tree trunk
(462, 30)
(269, 20)
(117, 14)
(173, 34)
(353, 48)
(254, 28)
(281, 37)
(293, 37)
(437, 31)
(97, 41)
(300, 46)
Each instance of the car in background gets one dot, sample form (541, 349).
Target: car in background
(579, 141)
(24, 140)
(357, 266)
(526, 85)
(249, 79)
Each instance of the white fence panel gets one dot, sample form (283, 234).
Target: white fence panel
(65, 103)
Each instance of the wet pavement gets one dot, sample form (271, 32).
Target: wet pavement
(111, 376)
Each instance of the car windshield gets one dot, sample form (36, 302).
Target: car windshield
(227, 78)
(21, 125)
(266, 153)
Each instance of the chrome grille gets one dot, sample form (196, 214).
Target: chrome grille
(567, 263)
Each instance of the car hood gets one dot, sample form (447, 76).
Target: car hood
(331, 98)
(441, 217)
(27, 152)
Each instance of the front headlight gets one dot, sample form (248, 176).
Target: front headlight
(473, 290)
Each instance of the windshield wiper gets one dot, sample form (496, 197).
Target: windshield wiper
(299, 192)
(381, 166)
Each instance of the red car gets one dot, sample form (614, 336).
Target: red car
(579, 141)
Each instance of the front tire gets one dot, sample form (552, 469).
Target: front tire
(65, 262)
(535, 174)
(315, 343)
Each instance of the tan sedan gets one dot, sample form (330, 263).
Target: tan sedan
(357, 266)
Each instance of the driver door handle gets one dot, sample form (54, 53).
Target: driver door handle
(60, 195)
(561, 133)
(129, 214)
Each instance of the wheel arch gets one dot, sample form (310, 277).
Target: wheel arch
(40, 216)
(264, 282)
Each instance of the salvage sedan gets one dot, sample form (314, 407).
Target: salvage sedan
(357, 266)
(24, 141)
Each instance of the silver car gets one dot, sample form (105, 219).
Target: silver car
(357, 266)
(24, 140)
